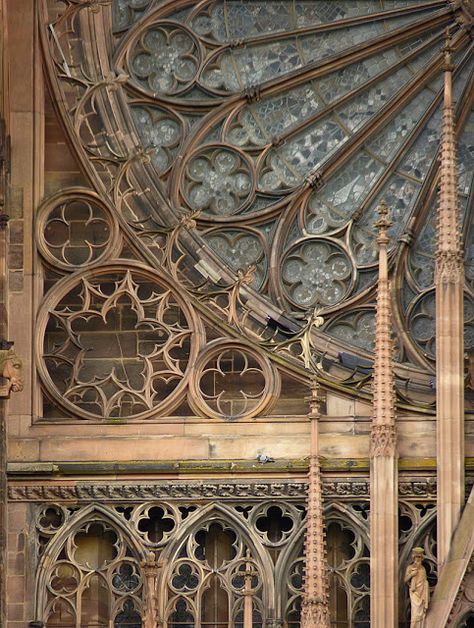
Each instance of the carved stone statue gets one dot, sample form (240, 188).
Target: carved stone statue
(415, 578)
(11, 369)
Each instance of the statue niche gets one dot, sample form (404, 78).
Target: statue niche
(11, 370)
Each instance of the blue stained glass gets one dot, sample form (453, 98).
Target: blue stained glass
(332, 206)
(253, 162)
(234, 19)
(355, 328)
(243, 67)
(389, 140)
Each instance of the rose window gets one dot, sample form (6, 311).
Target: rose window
(245, 149)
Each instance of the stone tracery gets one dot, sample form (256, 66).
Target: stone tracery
(158, 150)
(394, 133)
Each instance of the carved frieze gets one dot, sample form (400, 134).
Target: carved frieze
(96, 491)
(168, 490)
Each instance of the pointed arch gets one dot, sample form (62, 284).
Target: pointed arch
(92, 514)
(175, 555)
(290, 564)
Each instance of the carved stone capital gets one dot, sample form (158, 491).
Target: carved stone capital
(383, 441)
(449, 267)
(252, 93)
(315, 614)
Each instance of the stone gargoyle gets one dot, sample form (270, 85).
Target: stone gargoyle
(11, 369)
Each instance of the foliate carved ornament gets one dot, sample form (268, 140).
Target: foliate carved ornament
(315, 613)
(418, 488)
(11, 369)
(449, 267)
(383, 440)
(139, 492)
(423, 488)
(344, 488)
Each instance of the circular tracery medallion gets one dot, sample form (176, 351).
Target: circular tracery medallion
(232, 381)
(116, 342)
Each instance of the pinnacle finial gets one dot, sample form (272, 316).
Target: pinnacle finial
(314, 399)
(448, 50)
(383, 223)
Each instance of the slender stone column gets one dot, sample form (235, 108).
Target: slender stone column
(248, 592)
(315, 607)
(449, 283)
(150, 569)
(383, 456)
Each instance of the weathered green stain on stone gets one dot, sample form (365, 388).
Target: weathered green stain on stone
(188, 467)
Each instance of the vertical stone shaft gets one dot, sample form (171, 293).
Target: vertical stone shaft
(315, 607)
(383, 456)
(248, 597)
(449, 283)
(151, 570)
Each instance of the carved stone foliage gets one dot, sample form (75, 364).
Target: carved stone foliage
(85, 492)
(383, 440)
(235, 112)
(409, 491)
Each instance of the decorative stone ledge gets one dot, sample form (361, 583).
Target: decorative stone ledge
(203, 490)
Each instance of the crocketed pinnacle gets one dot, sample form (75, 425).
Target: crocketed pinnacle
(315, 608)
(448, 227)
(384, 396)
